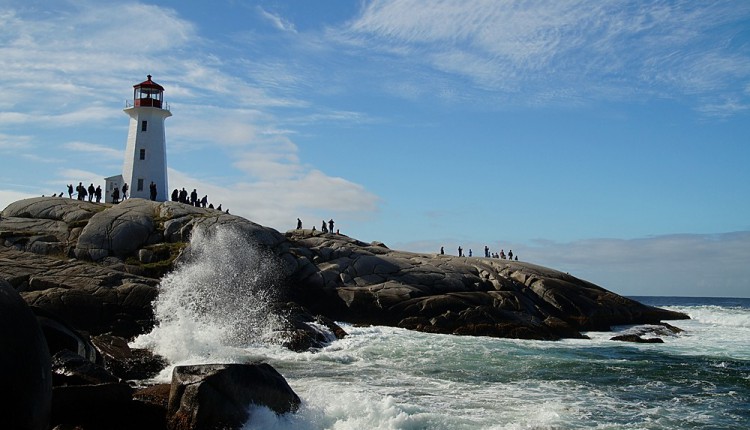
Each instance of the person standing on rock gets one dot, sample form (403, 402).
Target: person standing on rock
(486, 251)
(70, 191)
(124, 191)
(204, 201)
(194, 198)
(92, 190)
(175, 195)
(442, 251)
(330, 225)
(510, 254)
(460, 252)
(116, 196)
(152, 191)
(98, 193)
(299, 224)
(323, 228)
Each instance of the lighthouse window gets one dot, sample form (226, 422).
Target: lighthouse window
(144, 125)
(143, 154)
(140, 184)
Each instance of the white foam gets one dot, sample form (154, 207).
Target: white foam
(215, 302)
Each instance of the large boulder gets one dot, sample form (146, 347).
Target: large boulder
(25, 369)
(218, 396)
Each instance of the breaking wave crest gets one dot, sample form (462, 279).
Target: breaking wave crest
(217, 298)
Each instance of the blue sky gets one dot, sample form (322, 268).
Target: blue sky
(607, 139)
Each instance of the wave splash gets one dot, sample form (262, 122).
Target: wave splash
(219, 297)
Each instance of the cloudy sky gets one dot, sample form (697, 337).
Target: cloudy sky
(607, 139)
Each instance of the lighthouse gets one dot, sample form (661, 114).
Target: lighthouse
(146, 149)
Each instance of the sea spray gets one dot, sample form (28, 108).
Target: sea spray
(218, 298)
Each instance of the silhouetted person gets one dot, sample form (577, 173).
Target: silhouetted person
(194, 198)
(442, 251)
(460, 251)
(470, 252)
(152, 191)
(323, 227)
(204, 201)
(98, 193)
(330, 225)
(116, 196)
(510, 254)
(70, 191)
(299, 224)
(211, 206)
(175, 195)
(486, 251)
(219, 208)
(91, 191)
(124, 191)
(81, 190)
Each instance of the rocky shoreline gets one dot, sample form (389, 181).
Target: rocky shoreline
(90, 273)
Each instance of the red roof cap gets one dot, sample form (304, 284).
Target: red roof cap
(148, 84)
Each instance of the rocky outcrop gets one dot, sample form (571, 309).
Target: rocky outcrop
(368, 283)
(332, 275)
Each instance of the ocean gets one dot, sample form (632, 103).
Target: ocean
(390, 378)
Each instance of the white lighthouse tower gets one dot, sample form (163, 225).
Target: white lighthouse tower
(146, 149)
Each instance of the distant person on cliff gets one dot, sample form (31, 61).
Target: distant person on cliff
(183, 195)
(116, 196)
(194, 198)
(502, 254)
(204, 201)
(299, 224)
(81, 190)
(152, 191)
(70, 191)
(470, 252)
(330, 225)
(124, 191)
(460, 252)
(219, 208)
(98, 193)
(323, 228)
(442, 251)
(486, 251)
(91, 190)
(175, 195)
(510, 254)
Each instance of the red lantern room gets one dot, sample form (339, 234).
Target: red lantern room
(148, 93)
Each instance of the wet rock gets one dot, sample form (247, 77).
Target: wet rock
(636, 339)
(218, 396)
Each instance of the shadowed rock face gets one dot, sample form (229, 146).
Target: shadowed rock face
(98, 265)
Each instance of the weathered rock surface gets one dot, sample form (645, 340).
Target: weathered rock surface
(218, 396)
(368, 283)
(121, 250)
(25, 369)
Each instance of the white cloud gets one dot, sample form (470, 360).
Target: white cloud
(277, 21)
(540, 51)
(99, 150)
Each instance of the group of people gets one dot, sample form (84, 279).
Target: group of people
(83, 193)
(487, 253)
(192, 199)
(323, 227)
